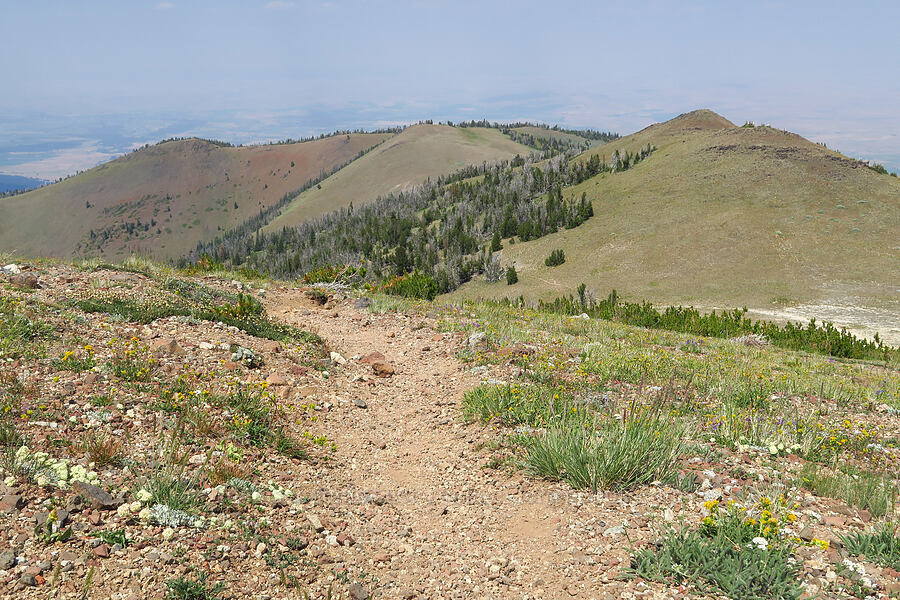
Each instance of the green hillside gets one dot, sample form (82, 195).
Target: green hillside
(725, 216)
(408, 159)
(164, 199)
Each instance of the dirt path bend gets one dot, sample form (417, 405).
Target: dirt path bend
(408, 482)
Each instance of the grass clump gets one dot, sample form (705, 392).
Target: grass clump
(882, 546)
(531, 405)
(17, 330)
(167, 479)
(730, 554)
(103, 449)
(609, 453)
(863, 489)
(186, 588)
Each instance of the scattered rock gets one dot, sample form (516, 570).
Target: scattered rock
(167, 345)
(360, 403)
(7, 560)
(27, 281)
(383, 369)
(11, 503)
(316, 522)
(11, 269)
(614, 531)
(101, 551)
(337, 358)
(372, 358)
(276, 379)
(96, 496)
(358, 592)
(361, 303)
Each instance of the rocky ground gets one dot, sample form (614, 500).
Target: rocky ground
(392, 497)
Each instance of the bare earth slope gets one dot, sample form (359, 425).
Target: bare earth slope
(164, 199)
(725, 216)
(411, 157)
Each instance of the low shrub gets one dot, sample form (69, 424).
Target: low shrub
(556, 258)
(412, 285)
(729, 554)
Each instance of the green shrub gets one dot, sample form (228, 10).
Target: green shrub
(412, 285)
(556, 258)
(511, 276)
(335, 274)
(820, 338)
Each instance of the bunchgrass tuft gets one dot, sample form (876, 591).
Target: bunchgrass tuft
(863, 489)
(607, 453)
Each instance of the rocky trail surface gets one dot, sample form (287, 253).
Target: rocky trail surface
(428, 519)
(334, 466)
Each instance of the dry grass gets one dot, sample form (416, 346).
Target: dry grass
(420, 152)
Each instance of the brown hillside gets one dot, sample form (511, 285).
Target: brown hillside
(164, 199)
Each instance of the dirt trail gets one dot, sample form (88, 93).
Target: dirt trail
(428, 519)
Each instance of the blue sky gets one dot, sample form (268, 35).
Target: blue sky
(84, 81)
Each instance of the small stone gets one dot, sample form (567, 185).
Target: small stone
(316, 522)
(360, 403)
(372, 358)
(27, 281)
(358, 592)
(834, 521)
(337, 358)
(865, 516)
(276, 379)
(168, 345)
(382, 557)
(383, 369)
(361, 303)
(101, 551)
(614, 531)
(345, 539)
(7, 560)
(28, 579)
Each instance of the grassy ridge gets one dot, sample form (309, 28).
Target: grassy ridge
(725, 216)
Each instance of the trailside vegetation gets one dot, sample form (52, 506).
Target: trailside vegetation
(822, 338)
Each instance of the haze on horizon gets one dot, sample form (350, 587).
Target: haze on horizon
(85, 82)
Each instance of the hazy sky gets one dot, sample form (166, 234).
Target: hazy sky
(95, 78)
